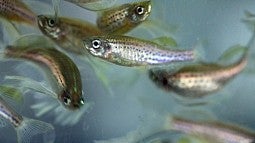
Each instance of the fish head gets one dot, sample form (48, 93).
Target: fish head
(139, 11)
(49, 26)
(97, 46)
(160, 78)
(71, 100)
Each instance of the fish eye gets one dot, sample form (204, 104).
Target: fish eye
(139, 10)
(51, 22)
(67, 101)
(96, 44)
(82, 101)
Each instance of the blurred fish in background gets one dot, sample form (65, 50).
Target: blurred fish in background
(123, 18)
(94, 5)
(17, 11)
(25, 127)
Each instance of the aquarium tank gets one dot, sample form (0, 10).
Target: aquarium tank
(127, 71)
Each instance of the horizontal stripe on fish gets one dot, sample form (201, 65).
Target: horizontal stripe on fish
(68, 85)
(128, 51)
(16, 10)
(197, 80)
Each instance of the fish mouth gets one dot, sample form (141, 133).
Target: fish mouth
(86, 43)
(41, 19)
(76, 106)
(149, 9)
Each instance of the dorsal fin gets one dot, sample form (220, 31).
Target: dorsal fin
(33, 40)
(231, 53)
(96, 5)
(165, 41)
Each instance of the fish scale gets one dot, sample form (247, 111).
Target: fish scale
(142, 54)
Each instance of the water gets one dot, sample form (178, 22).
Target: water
(137, 108)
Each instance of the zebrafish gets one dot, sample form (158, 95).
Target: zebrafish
(129, 51)
(199, 79)
(93, 5)
(124, 18)
(62, 70)
(212, 131)
(16, 10)
(25, 127)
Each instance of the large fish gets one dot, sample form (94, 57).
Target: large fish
(130, 51)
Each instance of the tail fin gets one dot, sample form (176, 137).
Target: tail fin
(27, 83)
(199, 51)
(249, 20)
(230, 54)
(96, 5)
(10, 29)
(166, 41)
(56, 4)
(31, 127)
(11, 95)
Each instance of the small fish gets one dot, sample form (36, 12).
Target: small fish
(66, 75)
(213, 131)
(129, 51)
(197, 80)
(25, 127)
(67, 32)
(16, 10)
(122, 19)
(93, 5)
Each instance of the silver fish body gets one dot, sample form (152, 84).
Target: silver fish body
(215, 132)
(8, 113)
(197, 80)
(128, 51)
